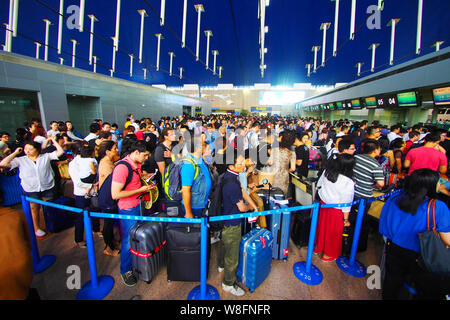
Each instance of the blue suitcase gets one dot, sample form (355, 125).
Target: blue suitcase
(57, 220)
(255, 258)
(279, 223)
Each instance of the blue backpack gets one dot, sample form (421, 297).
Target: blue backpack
(105, 201)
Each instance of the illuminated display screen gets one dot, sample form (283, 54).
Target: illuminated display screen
(441, 96)
(371, 102)
(356, 104)
(407, 99)
(339, 105)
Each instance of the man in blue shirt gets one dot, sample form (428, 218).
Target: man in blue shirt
(233, 203)
(195, 179)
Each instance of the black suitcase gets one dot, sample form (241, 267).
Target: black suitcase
(57, 220)
(301, 226)
(183, 247)
(148, 248)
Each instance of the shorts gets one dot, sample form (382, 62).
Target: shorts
(42, 195)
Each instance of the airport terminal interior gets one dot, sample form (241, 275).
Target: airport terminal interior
(339, 62)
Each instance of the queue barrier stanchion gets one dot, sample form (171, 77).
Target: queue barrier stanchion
(305, 271)
(98, 287)
(350, 265)
(203, 291)
(39, 263)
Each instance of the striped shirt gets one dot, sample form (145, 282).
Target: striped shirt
(366, 172)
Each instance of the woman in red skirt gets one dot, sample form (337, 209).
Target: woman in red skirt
(335, 186)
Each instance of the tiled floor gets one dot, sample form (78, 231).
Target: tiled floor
(280, 285)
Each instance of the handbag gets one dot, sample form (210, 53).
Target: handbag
(434, 254)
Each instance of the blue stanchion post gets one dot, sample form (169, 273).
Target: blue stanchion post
(306, 271)
(39, 263)
(350, 265)
(98, 287)
(203, 291)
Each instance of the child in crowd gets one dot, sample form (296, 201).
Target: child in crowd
(88, 170)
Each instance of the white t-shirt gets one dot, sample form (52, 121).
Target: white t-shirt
(342, 191)
(35, 176)
(52, 133)
(90, 136)
(40, 139)
(84, 168)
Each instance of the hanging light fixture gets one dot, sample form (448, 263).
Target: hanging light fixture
(352, 20)
(143, 14)
(131, 65)
(308, 66)
(38, 46)
(81, 16)
(208, 34)
(145, 73)
(215, 53)
(113, 64)
(91, 37)
(324, 27)
(183, 35)
(163, 10)
(437, 44)
(60, 25)
(116, 37)
(358, 65)
(315, 49)
(336, 23)
(171, 54)
(199, 8)
(419, 26)
(181, 72)
(95, 63)
(392, 23)
(373, 47)
(159, 36)
(74, 51)
(47, 26)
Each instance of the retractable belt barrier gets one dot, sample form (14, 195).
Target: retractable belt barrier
(99, 287)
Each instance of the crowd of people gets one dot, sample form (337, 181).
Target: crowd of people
(350, 159)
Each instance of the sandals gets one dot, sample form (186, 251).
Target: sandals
(113, 253)
(327, 259)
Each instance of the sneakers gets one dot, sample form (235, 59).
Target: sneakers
(234, 289)
(220, 269)
(81, 244)
(129, 279)
(40, 233)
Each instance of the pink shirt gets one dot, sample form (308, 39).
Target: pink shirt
(425, 157)
(120, 176)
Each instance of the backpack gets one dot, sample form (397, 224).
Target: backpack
(215, 201)
(171, 179)
(105, 201)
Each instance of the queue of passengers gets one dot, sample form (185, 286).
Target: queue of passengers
(351, 160)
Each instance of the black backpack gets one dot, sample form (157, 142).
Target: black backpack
(105, 201)
(215, 201)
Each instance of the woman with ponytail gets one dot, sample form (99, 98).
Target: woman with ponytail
(403, 217)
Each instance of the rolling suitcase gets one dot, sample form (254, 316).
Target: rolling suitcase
(301, 224)
(183, 249)
(57, 220)
(255, 258)
(148, 248)
(279, 223)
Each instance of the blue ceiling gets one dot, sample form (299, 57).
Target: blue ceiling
(294, 28)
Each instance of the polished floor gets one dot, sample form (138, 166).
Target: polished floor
(281, 284)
